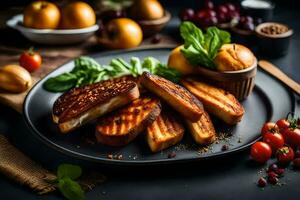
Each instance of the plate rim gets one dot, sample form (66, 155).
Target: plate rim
(103, 160)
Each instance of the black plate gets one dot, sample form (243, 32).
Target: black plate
(269, 101)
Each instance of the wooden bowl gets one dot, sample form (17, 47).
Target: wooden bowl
(239, 83)
(151, 27)
(273, 45)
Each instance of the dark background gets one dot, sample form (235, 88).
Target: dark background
(232, 177)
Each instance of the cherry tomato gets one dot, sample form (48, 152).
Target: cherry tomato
(30, 60)
(261, 152)
(285, 155)
(274, 140)
(292, 136)
(283, 124)
(269, 127)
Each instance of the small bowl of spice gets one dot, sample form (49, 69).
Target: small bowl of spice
(273, 38)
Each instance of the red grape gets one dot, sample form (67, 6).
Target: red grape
(210, 13)
(187, 14)
(222, 9)
(222, 18)
(209, 4)
(231, 7)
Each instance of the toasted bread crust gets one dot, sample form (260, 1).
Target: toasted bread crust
(175, 95)
(164, 132)
(203, 131)
(122, 126)
(216, 101)
(69, 106)
(84, 104)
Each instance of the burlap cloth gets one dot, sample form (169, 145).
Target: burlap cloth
(13, 163)
(20, 168)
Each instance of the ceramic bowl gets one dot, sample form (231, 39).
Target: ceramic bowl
(51, 36)
(273, 45)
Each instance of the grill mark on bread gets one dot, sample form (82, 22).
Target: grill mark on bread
(68, 99)
(89, 96)
(175, 95)
(133, 122)
(216, 101)
(219, 99)
(164, 132)
(203, 131)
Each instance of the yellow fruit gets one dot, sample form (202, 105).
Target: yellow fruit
(122, 33)
(147, 10)
(14, 78)
(77, 15)
(178, 61)
(41, 15)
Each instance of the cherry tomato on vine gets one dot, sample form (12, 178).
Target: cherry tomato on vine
(292, 136)
(274, 140)
(285, 155)
(261, 152)
(283, 124)
(30, 60)
(269, 127)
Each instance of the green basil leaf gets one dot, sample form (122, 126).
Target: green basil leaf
(60, 83)
(70, 189)
(214, 39)
(168, 73)
(68, 170)
(201, 49)
(191, 35)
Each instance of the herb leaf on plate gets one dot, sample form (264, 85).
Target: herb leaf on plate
(200, 48)
(87, 71)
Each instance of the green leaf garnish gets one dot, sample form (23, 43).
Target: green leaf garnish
(70, 189)
(65, 182)
(87, 71)
(67, 170)
(200, 48)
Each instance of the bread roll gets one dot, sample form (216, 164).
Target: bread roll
(232, 57)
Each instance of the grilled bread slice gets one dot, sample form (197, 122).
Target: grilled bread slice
(122, 126)
(203, 131)
(216, 101)
(80, 105)
(164, 132)
(175, 95)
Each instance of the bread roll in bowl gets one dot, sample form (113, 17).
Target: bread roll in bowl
(233, 57)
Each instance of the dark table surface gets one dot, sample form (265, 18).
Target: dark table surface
(232, 177)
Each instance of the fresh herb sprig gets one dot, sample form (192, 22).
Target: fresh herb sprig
(87, 71)
(201, 48)
(67, 175)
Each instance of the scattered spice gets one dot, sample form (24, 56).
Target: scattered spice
(116, 156)
(224, 147)
(240, 140)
